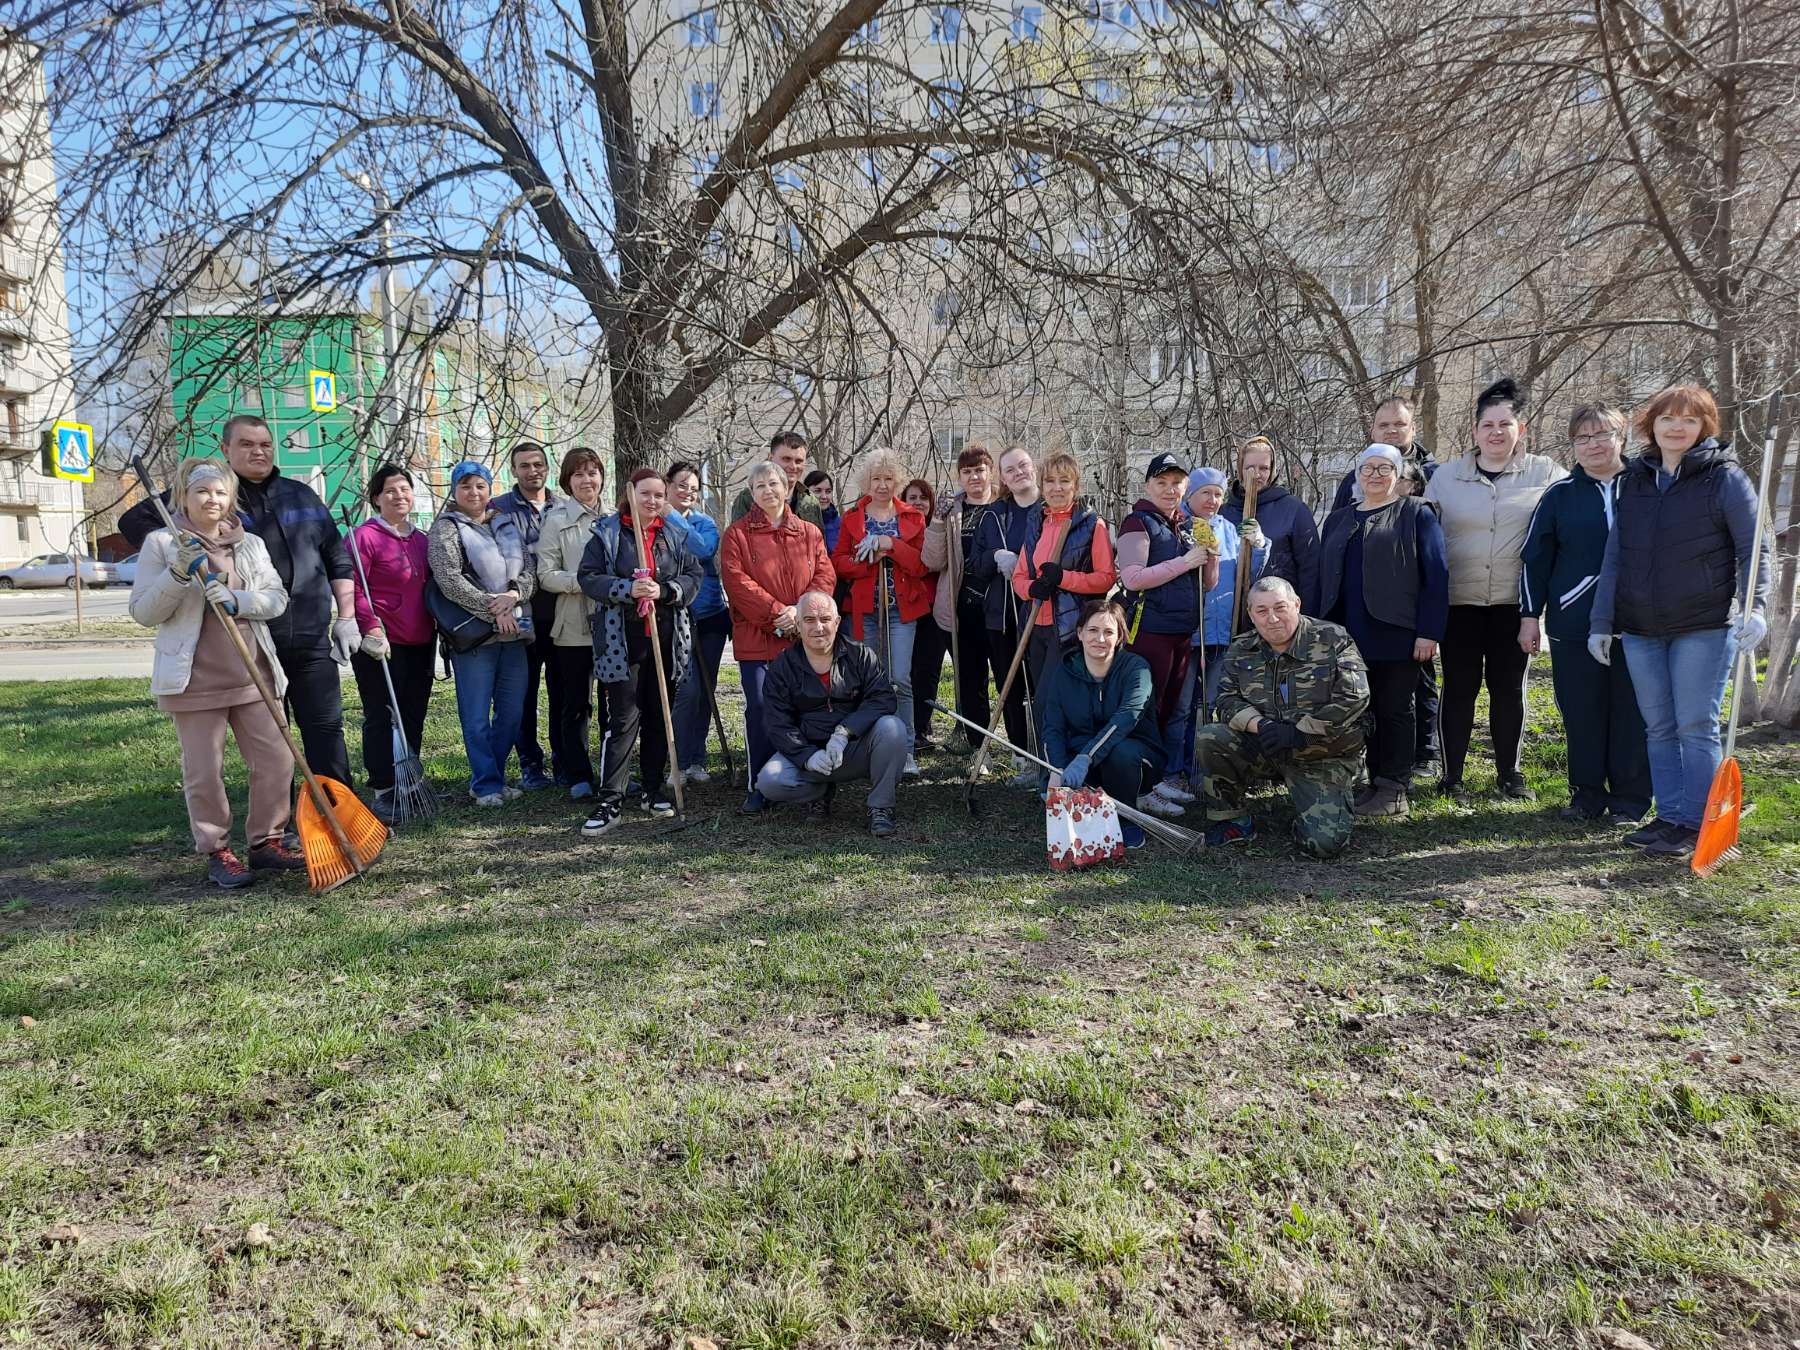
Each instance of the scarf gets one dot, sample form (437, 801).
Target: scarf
(495, 551)
(230, 535)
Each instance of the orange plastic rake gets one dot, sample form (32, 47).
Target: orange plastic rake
(1718, 842)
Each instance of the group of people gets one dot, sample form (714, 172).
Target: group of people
(1134, 657)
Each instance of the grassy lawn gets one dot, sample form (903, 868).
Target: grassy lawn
(1487, 1081)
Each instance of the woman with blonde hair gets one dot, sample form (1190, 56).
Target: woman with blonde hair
(1675, 586)
(1282, 530)
(882, 533)
(198, 675)
(562, 535)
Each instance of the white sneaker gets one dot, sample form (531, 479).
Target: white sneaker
(511, 793)
(911, 768)
(697, 774)
(1173, 790)
(490, 799)
(1158, 806)
(1025, 775)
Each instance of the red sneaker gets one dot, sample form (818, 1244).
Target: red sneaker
(224, 869)
(275, 856)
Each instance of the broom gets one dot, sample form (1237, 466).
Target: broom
(413, 798)
(1718, 842)
(338, 834)
(1177, 837)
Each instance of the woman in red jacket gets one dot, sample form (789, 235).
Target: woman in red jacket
(881, 532)
(768, 559)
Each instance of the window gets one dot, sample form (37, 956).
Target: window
(945, 306)
(703, 28)
(787, 178)
(1155, 12)
(1026, 21)
(1265, 155)
(1110, 16)
(944, 246)
(703, 168)
(1359, 288)
(703, 99)
(946, 24)
(1106, 91)
(295, 396)
(802, 385)
(793, 239)
(1028, 170)
(867, 166)
(945, 96)
(867, 35)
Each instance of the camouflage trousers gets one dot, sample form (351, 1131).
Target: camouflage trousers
(1228, 761)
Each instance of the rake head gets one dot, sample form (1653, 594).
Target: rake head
(327, 865)
(413, 798)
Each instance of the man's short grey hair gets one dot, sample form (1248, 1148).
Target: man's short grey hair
(767, 469)
(826, 596)
(1275, 586)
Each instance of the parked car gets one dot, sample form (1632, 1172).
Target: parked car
(125, 571)
(55, 569)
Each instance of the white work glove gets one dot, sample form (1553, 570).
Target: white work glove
(375, 644)
(835, 748)
(221, 594)
(1253, 536)
(345, 639)
(866, 547)
(819, 762)
(190, 557)
(1005, 559)
(1600, 648)
(1749, 631)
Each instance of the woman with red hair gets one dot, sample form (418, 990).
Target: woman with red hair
(1675, 586)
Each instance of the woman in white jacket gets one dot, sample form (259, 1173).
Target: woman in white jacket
(198, 677)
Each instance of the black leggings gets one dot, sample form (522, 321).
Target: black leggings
(930, 644)
(414, 669)
(1481, 643)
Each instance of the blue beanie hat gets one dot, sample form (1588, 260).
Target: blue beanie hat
(1203, 477)
(465, 469)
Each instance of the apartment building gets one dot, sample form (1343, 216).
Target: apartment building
(38, 513)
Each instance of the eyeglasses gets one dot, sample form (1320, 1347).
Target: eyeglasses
(1376, 470)
(1594, 437)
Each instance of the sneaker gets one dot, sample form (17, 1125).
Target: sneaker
(910, 769)
(580, 792)
(820, 807)
(1133, 834)
(1579, 813)
(657, 805)
(1514, 786)
(488, 799)
(535, 780)
(1222, 832)
(1427, 769)
(1677, 842)
(381, 806)
(274, 856)
(1452, 788)
(1159, 806)
(1620, 819)
(696, 774)
(1025, 773)
(754, 804)
(224, 869)
(511, 793)
(1174, 790)
(602, 818)
(1385, 799)
(1646, 835)
(882, 823)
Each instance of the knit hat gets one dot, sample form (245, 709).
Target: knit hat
(1203, 477)
(468, 467)
(1381, 450)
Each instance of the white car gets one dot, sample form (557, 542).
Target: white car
(125, 570)
(54, 569)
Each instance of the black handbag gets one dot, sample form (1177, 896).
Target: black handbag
(460, 630)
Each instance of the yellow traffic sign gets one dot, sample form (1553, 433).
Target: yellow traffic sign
(324, 390)
(72, 451)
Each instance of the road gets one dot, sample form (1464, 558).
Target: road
(58, 606)
(72, 661)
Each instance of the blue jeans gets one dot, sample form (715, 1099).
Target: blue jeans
(900, 660)
(752, 675)
(1680, 684)
(490, 697)
(693, 710)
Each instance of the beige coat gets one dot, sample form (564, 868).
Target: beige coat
(562, 535)
(1485, 523)
(176, 609)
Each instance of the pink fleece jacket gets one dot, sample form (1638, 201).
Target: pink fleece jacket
(397, 570)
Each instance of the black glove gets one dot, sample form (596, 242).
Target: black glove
(1276, 739)
(1048, 581)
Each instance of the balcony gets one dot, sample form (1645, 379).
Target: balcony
(20, 492)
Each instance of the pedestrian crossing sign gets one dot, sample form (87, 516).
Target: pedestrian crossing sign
(324, 391)
(72, 451)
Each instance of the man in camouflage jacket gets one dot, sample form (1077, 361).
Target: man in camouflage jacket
(1291, 705)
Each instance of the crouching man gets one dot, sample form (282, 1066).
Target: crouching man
(1291, 704)
(829, 712)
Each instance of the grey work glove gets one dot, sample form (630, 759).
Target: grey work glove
(1749, 631)
(190, 557)
(375, 644)
(835, 748)
(221, 594)
(1600, 648)
(345, 639)
(819, 762)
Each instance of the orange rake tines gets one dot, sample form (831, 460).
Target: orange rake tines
(1718, 843)
(327, 864)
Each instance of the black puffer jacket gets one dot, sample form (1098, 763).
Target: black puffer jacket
(800, 716)
(1292, 533)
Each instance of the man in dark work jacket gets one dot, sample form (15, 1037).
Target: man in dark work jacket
(309, 556)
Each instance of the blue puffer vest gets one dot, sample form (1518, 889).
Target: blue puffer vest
(1676, 559)
(1077, 556)
(1173, 607)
